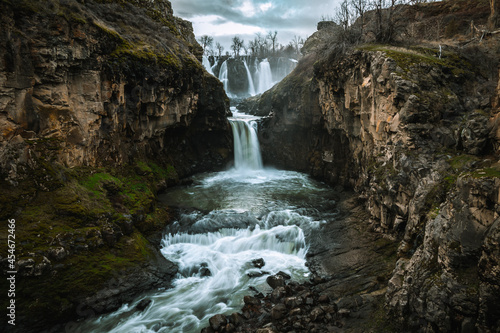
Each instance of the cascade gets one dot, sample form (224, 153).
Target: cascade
(265, 76)
(236, 217)
(223, 77)
(251, 88)
(206, 64)
(246, 143)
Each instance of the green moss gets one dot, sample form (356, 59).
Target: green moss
(410, 58)
(460, 162)
(73, 215)
(490, 172)
(167, 172)
(144, 53)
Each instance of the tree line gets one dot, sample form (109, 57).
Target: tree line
(352, 18)
(261, 46)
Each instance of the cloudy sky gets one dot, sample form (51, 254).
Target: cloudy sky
(223, 19)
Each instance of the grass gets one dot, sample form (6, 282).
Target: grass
(73, 214)
(409, 58)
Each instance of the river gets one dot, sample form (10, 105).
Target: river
(234, 229)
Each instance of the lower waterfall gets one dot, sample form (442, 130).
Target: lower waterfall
(233, 229)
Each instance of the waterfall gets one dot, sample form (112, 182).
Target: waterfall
(223, 77)
(251, 88)
(265, 76)
(206, 64)
(246, 145)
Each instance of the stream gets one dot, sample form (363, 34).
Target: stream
(235, 228)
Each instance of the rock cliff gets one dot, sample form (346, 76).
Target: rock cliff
(414, 130)
(102, 104)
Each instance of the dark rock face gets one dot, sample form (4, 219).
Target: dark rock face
(414, 136)
(87, 85)
(87, 82)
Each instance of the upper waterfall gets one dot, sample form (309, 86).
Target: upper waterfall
(249, 76)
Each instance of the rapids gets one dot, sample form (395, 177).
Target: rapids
(234, 229)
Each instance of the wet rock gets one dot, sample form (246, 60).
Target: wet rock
(278, 294)
(204, 270)
(217, 322)
(236, 318)
(259, 263)
(284, 275)
(317, 314)
(278, 311)
(142, 305)
(249, 300)
(257, 274)
(275, 281)
(323, 299)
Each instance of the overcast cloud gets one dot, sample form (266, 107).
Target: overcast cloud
(223, 19)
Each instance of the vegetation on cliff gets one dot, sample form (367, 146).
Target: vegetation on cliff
(411, 124)
(104, 104)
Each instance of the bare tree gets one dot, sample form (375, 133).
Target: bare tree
(273, 37)
(297, 43)
(206, 42)
(219, 48)
(253, 46)
(343, 16)
(261, 44)
(360, 7)
(237, 45)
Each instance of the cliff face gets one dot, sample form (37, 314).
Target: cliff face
(109, 83)
(413, 130)
(102, 104)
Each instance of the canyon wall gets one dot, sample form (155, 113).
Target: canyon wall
(109, 84)
(413, 130)
(102, 105)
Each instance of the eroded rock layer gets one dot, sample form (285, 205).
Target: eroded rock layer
(102, 105)
(414, 131)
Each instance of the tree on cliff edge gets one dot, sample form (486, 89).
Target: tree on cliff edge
(206, 42)
(494, 20)
(237, 45)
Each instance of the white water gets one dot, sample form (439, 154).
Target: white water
(227, 220)
(224, 78)
(206, 64)
(251, 88)
(265, 77)
(246, 143)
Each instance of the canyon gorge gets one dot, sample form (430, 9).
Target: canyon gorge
(369, 172)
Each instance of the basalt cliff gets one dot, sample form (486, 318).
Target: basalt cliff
(413, 129)
(102, 105)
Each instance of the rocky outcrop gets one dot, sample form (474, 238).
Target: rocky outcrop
(102, 105)
(451, 281)
(289, 307)
(412, 130)
(108, 92)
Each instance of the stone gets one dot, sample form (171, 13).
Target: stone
(259, 263)
(249, 300)
(317, 314)
(278, 311)
(275, 281)
(217, 322)
(143, 304)
(277, 294)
